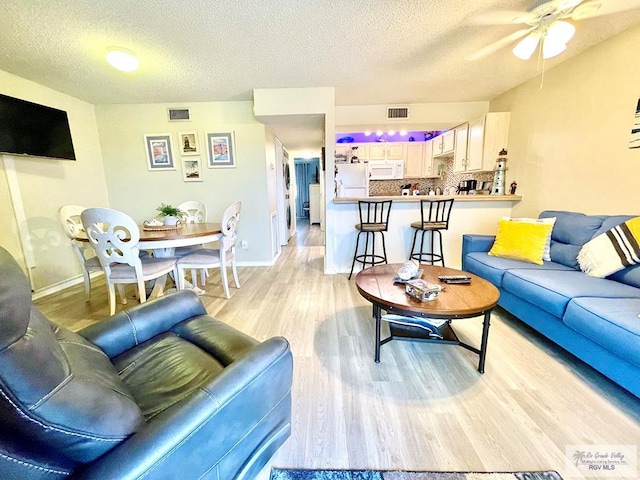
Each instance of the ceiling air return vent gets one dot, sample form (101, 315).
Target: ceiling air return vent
(179, 114)
(397, 112)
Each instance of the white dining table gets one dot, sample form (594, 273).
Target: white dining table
(163, 241)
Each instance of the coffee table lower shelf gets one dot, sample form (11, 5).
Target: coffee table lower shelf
(400, 331)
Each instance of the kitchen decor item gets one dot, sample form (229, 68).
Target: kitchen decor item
(484, 188)
(467, 186)
(500, 172)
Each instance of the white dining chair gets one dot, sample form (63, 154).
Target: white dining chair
(223, 257)
(69, 216)
(193, 211)
(115, 236)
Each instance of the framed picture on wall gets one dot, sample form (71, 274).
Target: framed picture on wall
(191, 169)
(220, 150)
(159, 152)
(634, 142)
(188, 142)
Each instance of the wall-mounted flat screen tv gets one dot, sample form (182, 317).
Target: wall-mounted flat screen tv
(30, 129)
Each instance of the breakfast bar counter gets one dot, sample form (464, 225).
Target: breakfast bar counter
(417, 198)
(477, 214)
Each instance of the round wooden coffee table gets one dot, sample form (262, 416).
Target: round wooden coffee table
(454, 302)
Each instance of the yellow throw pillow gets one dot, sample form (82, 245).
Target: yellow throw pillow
(521, 241)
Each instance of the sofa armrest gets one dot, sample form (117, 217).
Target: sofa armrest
(205, 430)
(477, 243)
(137, 324)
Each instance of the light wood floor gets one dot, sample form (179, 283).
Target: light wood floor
(424, 406)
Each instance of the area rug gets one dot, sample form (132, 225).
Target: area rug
(296, 474)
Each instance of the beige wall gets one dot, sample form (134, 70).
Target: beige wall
(422, 116)
(9, 236)
(568, 142)
(43, 185)
(134, 189)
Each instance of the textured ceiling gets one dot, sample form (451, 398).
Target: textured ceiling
(371, 51)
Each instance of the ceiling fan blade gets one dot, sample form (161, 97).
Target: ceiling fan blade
(497, 17)
(598, 8)
(500, 44)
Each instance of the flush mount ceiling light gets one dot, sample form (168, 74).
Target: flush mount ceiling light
(122, 59)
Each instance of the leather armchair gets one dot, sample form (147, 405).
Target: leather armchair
(160, 390)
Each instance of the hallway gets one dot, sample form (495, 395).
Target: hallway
(308, 235)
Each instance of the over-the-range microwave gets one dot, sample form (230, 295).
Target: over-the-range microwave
(386, 169)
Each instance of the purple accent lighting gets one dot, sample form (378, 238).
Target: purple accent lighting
(360, 137)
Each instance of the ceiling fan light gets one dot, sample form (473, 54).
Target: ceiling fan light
(525, 48)
(560, 32)
(551, 49)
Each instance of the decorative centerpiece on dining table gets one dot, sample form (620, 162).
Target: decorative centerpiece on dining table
(172, 215)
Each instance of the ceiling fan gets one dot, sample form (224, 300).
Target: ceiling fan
(547, 24)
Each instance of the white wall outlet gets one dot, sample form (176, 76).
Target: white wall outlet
(244, 244)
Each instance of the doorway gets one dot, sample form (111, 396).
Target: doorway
(307, 173)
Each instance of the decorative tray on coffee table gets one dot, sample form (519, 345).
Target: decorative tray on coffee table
(397, 279)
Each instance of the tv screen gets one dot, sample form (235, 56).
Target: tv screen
(30, 129)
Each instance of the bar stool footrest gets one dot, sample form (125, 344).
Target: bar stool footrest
(369, 259)
(426, 257)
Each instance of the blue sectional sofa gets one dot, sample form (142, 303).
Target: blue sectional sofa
(596, 319)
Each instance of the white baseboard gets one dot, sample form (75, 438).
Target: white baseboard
(56, 287)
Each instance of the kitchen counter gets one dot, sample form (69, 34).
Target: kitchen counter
(477, 214)
(417, 198)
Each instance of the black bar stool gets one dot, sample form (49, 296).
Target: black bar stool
(434, 217)
(374, 218)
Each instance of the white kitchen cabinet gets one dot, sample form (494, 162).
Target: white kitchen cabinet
(377, 151)
(444, 144)
(314, 203)
(418, 160)
(395, 151)
(460, 154)
(413, 161)
(386, 151)
(427, 160)
(362, 151)
(487, 137)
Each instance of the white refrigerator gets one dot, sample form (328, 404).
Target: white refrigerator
(352, 180)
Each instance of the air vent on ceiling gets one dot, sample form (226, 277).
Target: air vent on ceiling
(397, 112)
(179, 114)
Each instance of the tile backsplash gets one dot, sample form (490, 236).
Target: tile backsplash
(448, 179)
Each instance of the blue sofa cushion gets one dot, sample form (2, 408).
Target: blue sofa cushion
(610, 322)
(493, 268)
(570, 232)
(612, 221)
(630, 276)
(552, 290)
